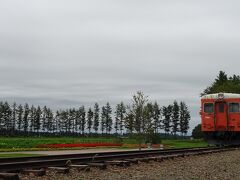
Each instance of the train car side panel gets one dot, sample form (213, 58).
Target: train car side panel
(234, 115)
(207, 114)
(221, 116)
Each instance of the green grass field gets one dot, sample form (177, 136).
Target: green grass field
(15, 155)
(184, 143)
(28, 142)
(24, 143)
(10, 145)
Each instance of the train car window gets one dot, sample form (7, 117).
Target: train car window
(233, 107)
(208, 107)
(221, 108)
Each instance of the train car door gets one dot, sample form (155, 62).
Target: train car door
(221, 121)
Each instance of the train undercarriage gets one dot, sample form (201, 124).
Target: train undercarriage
(222, 138)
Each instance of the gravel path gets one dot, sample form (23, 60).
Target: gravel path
(224, 165)
(80, 151)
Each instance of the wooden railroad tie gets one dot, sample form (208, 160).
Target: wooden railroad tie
(174, 156)
(34, 172)
(208, 152)
(101, 166)
(194, 153)
(118, 163)
(62, 170)
(159, 158)
(198, 153)
(218, 151)
(179, 155)
(80, 167)
(133, 161)
(163, 157)
(9, 176)
(152, 158)
(146, 160)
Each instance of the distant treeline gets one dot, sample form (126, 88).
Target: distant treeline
(28, 120)
(224, 83)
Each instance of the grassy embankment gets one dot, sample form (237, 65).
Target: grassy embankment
(14, 144)
(15, 155)
(184, 143)
(33, 142)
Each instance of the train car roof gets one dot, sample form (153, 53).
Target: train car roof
(225, 95)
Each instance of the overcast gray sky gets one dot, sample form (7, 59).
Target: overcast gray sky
(67, 53)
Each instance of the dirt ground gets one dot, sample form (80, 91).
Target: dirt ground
(224, 165)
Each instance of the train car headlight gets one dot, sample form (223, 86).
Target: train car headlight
(220, 96)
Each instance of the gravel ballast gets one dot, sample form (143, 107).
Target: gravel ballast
(224, 165)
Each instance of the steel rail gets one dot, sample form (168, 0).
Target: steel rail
(10, 164)
(92, 154)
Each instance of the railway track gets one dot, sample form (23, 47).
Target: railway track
(10, 167)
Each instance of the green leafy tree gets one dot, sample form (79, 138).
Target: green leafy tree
(136, 111)
(1, 116)
(67, 121)
(58, 122)
(5, 116)
(32, 116)
(109, 121)
(90, 115)
(148, 122)
(119, 117)
(77, 120)
(184, 118)
(175, 117)
(166, 112)
(7, 113)
(224, 83)
(49, 120)
(96, 117)
(19, 117)
(64, 121)
(14, 116)
(156, 117)
(44, 119)
(103, 119)
(26, 118)
(55, 123)
(72, 120)
(129, 122)
(82, 119)
(37, 121)
(197, 133)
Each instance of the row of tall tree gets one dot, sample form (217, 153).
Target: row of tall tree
(137, 117)
(146, 118)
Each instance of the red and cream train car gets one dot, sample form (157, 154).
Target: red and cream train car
(220, 114)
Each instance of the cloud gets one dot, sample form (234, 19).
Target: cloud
(68, 53)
